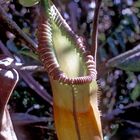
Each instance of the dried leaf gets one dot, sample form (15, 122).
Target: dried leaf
(8, 78)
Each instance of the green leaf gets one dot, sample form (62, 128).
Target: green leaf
(135, 93)
(137, 4)
(131, 63)
(29, 54)
(102, 36)
(28, 3)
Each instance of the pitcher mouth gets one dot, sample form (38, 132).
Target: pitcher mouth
(48, 56)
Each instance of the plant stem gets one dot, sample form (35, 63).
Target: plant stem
(95, 29)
